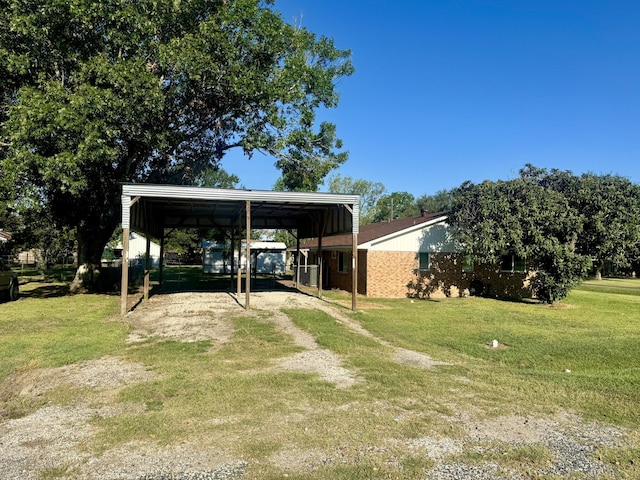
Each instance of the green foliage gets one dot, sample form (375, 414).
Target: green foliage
(286, 237)
(95, 94)
(525, 219)
(609, 209)
(309, 157)
(370, 194)
(216, 177)
(183, 241)
(441, 201)
(395, 205)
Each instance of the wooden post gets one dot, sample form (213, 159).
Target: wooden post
(248, 256)
(147, 268)
(320, 264)
(231, 257)
(354, 272)
(239, 260)
(124, 285)
(161, 264)
(297, 272)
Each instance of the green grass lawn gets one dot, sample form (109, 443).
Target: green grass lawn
(580, 356)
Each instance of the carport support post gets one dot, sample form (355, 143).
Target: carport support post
(297, 272)
(320, 265)
(354, 210)
(124, 285)
(232, 260)
(161, 264)
(239, 260)
(147, 268)
(354, 272)
(248, 256)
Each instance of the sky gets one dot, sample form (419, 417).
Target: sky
(446, 91)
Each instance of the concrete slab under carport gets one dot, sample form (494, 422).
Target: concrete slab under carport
(150, 209)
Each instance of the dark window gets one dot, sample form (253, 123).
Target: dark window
(512, 263)
(424, 261)
(343, 262)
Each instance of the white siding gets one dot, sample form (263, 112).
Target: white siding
(429, 238)
(138, 249)
(266, 261)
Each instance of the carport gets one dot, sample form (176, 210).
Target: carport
(150, 209)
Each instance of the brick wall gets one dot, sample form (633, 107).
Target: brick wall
(337, 279)
(389, 272)
(395, 274)
(342, 280)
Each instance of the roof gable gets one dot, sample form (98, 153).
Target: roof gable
(377, 231)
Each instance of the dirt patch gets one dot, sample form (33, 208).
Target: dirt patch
(187, 317)
(103, 373)
(415, 359)
(191, 317)
(324, 363)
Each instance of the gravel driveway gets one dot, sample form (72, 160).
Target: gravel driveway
(51, 441)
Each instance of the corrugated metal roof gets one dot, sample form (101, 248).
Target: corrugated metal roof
(203, 193)
(151, 208)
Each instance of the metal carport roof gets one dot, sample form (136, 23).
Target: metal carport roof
(149, 209)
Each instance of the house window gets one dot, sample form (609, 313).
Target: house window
(512, 263)
(467, 263)
(343, 262)
(424, 261)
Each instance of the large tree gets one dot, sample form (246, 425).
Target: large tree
(99, 93)
(609, 210)
(522, 218)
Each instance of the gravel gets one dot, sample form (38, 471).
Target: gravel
(225, 472)
(53, 438)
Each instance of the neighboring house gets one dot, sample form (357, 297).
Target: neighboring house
(414, 256)
(266, 257)
(137, 251)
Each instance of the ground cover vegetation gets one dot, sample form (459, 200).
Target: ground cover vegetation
(95, 94)
(578, 356)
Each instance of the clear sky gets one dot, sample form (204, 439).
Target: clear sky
(453, 90)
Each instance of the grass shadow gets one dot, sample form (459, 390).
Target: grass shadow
(192, 279)
(46, 291)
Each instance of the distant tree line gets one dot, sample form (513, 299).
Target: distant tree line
(378, 205)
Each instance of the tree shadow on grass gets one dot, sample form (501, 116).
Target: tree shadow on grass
(46, 291)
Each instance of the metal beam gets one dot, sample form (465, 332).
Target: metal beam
(247, 305)
(124, 284)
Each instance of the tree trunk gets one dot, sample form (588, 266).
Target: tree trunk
(91, 242)
(599, 267)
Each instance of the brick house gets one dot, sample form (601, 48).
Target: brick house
(414, 257)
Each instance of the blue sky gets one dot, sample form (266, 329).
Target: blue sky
(447, 91)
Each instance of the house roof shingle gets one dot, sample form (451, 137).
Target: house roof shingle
(372, 231)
